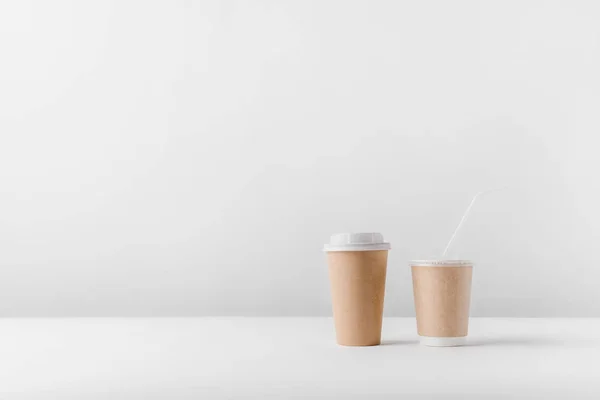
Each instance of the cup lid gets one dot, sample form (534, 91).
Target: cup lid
(440, 263)
(364, 241)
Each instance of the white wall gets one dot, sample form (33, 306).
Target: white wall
(190, 158)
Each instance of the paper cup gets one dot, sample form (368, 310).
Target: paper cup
(357, 271)
(442, 292)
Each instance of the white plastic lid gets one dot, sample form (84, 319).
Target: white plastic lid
(440, 263)
(365, 241)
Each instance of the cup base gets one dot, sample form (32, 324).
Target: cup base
(443, 341)
(359, 344)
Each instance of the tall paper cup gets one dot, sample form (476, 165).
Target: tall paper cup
(442, 291)
(357, 269)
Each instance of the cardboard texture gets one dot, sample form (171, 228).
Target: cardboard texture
(442, 300)
(357, 289)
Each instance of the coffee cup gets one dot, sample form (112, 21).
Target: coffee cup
(442, 293)
(357, 265)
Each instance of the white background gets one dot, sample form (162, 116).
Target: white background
(191, 158)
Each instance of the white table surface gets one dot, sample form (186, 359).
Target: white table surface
(283, 358)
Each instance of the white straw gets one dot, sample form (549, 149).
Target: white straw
(465, 215)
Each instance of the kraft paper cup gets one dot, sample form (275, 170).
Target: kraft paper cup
(442, 292)
(357, 270)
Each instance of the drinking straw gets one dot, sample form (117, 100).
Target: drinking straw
(465, 215)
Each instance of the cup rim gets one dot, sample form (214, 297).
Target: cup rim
(440, 263)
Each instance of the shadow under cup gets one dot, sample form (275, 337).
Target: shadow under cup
(442, 293)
